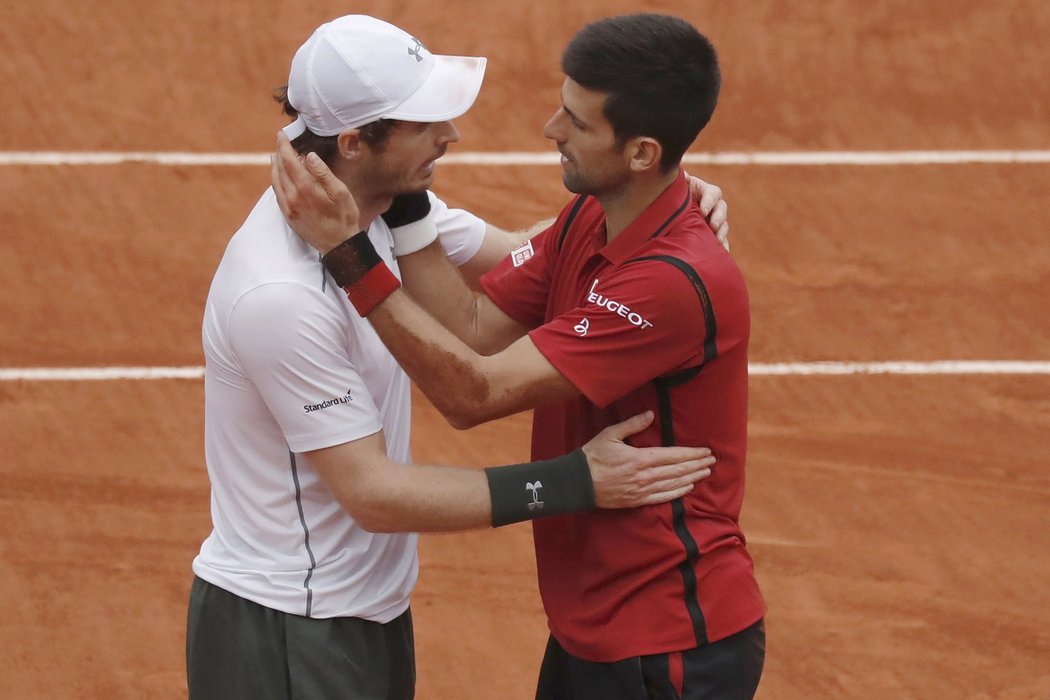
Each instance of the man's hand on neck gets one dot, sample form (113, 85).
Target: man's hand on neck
(317, 205)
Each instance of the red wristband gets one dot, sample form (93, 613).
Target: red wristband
(370, 291)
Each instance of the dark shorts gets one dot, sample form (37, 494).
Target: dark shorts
(728, 669)
(237, 649)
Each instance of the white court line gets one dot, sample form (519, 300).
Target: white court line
(81, 374)
(552, 158)
(43, 374)
(938, 367)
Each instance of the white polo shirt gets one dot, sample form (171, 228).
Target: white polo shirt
(291, 367)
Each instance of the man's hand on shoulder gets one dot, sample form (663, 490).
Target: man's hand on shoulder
(709, 198)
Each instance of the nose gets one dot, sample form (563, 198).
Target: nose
(553, 128)
(448, 133)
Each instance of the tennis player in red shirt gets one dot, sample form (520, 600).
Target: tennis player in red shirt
(626, 303)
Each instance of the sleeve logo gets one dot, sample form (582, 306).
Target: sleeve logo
(311, 407)
(520, 255)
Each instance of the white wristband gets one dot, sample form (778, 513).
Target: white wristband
(414, 236)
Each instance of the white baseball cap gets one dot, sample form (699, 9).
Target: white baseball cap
(357, 69)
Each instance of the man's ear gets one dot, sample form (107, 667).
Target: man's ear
(350, 144)
(643, 153)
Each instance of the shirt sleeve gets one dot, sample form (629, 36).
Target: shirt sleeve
(639, 322)
(294, 348)
(520, 284)
(460, 232)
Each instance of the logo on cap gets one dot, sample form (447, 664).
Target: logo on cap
(416, 50)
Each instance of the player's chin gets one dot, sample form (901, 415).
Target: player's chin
(413, 188)
(574, 184)
(414, 185)
(424, 178)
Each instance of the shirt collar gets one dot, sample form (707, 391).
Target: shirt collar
(667, 207)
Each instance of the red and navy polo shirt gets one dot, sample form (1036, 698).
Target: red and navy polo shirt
(657, 319)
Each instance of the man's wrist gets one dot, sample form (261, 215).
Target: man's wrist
(411, 223)
(407, 208)
(356, 267)
(536, 489)
(414, 237)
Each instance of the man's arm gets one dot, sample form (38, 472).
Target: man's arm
(471, 318)
(439, 288)
(306, 358)
(429, 239)
(466, 387)
(387, 496)
(606, 472)
(498, 243)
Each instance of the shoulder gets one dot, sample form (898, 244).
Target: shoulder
(682, 283)
(582, 211)
(691, 247)
(280, 324)
(581, 215)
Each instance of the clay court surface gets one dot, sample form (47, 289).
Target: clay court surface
(898, 522)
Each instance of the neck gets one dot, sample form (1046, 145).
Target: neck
(626, 204)
(371, 208)
(370, 203)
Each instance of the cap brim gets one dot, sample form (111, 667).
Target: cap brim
(447, 93)
(295, 129)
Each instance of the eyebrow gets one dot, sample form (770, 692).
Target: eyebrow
(572, 114)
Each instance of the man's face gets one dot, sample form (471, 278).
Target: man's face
(591, 161)
(405, 162)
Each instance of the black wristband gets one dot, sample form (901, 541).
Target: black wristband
(407, 209)
(351, 260)
(551, 487)
(356, 267)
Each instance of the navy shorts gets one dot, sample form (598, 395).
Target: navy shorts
(728, 669)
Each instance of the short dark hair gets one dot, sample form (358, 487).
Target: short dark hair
(375, 134)
(660, 73)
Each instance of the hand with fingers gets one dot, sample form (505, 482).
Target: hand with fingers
(321, 210)
(317, 205)
(628, 477)
(709, 198)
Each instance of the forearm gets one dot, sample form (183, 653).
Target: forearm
(449, 293)
(467, 388)
(427, 259)
(438, 287)
(386, 496)
(416, 498)
(497, 245)
(535, 229)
